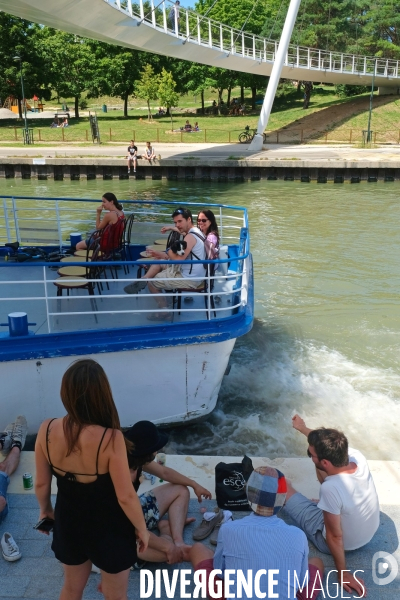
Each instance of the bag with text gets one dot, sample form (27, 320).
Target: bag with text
(230, 484)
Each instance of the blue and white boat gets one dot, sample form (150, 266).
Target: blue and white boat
(168, 372)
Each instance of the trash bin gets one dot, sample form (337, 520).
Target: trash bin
(367, 136)
(104, 108)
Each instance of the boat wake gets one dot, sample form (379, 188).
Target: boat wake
(274, 375)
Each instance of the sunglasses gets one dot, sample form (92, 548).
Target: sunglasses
(202, 220)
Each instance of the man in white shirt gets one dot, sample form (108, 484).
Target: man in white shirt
(179, 274)
(346, 516)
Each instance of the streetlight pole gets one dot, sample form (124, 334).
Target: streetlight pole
(26, 131)
(371, 98)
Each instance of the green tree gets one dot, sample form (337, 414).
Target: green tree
(19, 38)
(115, 72)
(147, 86)
(71, 60)
(166, 92)
(251, 13)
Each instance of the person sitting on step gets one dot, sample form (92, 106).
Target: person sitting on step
(12, 441)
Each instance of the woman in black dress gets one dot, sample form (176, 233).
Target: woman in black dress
(98, 516)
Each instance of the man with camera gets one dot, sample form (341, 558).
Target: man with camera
(178, 274)
(12, 441)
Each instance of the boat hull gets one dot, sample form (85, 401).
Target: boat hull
(170, 386)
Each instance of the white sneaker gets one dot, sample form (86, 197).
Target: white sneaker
(5, 437)
(9, 548)
(19, 431)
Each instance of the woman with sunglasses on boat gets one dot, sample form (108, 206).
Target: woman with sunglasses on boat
(208, 226)
(114, 215)
(97, 517)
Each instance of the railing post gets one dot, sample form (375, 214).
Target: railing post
(365, 65)
(265, 50)
(16, 225)
(386, 67)
(221, 229)
(40, 137)
(243, 43)
(153, 13)
(7, 222)
(330, 61)
(298, 57)
(254, 47)
(187, 25)
(352, 66)
(232, 43)
(118, 3)
(308, 59)
(129, 2)
(221, 37)
(46, 298)
(164, 12)
(198, 30)
(319, 60)
(141, 9)
(209, 34)
(59, 225)
(341, 63)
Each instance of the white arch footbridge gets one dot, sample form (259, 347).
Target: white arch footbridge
(200, 39)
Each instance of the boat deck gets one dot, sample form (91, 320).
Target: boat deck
(38, 575)
(30, 288)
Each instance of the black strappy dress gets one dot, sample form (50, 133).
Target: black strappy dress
(89, 522)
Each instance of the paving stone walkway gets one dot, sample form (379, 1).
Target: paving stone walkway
(38, 575)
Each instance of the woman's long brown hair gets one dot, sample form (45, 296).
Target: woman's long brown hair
(87, 398)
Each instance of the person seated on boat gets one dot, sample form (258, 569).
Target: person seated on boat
(171, 498)
(346, 516)
(149, 153)
(207, 224)
(115, 213)
(12, 441)
(261, 540)
(180, 275)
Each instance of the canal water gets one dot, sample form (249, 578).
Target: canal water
(326, 338)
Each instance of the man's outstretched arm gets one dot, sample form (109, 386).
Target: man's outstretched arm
(334, 540)
(299, 424)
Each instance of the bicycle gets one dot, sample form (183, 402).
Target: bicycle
(248, 134)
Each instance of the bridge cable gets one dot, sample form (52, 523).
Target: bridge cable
(149, 13)
(242, 28)
(198, 23)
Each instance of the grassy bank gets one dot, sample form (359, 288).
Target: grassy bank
(214, 128)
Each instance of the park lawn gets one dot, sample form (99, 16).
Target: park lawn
(383, 117)
(115, 127)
